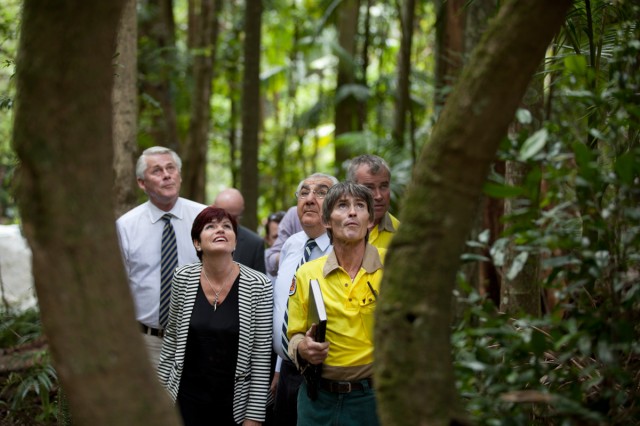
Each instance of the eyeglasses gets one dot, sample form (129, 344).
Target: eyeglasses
(319, 193)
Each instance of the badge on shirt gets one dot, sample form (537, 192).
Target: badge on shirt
(292, 289)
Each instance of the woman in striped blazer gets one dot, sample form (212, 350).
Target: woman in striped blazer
(215, 359)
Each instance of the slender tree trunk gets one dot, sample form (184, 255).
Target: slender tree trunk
(449, 46)
(251, 113)
(407, 14)
(522, 293)
(485, 277)
(159, 28)
(65, 79)
(346, 109)
(125, 111)
(414, 373)
(205, 19)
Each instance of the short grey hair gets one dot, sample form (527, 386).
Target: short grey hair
(375, 163)
(317, 176)
(341, 189)
(141, 165)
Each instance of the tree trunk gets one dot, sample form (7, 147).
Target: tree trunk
(485, 277)
(449, 45)
(414, 373)
(205, 19)
(159, 69)
(125, 112)
(251, 113)
(63, 137)
(346, 109)
(522, 293)
(407, 14)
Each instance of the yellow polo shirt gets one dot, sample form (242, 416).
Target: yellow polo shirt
(350, 309)
(382, 234)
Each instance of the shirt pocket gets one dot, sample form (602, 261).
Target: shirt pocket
(368, 302)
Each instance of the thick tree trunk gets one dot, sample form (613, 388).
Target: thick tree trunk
(125, 111)
(63, 137)
(205, 19)
(251, 114)
(414, 373)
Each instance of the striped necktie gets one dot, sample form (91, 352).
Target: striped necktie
(168, 263)
(306, 255)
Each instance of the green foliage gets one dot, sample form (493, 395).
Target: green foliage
(17, 328)
(579, 364)
(28, 392)
(39, 381)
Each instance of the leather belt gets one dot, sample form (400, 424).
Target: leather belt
(158, 332)
(336, 386)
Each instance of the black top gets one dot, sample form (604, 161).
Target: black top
(206, 386)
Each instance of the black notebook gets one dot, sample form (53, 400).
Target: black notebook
(317, 312)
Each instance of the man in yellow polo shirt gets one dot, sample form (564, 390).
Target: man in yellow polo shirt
(374, 173)
(349, 278)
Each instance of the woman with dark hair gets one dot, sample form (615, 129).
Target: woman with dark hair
(215, 359)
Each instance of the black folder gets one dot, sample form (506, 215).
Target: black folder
(317, 312)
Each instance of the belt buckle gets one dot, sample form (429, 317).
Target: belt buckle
(344, 387)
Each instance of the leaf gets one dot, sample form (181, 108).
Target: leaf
(497, 190)
(517, 265)
(498, 251)
(624, 168)
(533, 145)
(524, 116)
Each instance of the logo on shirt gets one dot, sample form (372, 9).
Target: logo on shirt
(292, 289)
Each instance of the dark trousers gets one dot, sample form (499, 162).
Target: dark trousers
(286, 406)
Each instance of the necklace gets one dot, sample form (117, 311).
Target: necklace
(217, 293)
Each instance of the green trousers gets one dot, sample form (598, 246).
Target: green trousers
(357, 408)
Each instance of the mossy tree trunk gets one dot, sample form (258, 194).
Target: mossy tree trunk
(414, 372)
(63, 138)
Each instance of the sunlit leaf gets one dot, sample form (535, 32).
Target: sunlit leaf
(533, 145)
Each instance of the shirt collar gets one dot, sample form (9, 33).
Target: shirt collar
(386, 224)
(156, 214)
(370, 263)
(323, 242)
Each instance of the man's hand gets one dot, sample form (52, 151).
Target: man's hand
(312, 351)
(274, 383)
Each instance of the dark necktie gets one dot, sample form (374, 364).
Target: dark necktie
(168, 263)
(306, 255)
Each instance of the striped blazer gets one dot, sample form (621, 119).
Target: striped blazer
(255, 299)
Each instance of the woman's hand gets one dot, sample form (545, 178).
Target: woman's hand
(248, 422)
(274, 383)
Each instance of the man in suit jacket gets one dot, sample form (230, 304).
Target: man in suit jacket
(250, 248)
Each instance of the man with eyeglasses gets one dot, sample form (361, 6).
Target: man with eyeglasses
(314, 242)
(374, 173)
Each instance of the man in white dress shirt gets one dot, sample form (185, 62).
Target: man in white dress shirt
(311, 192)
(140, 235)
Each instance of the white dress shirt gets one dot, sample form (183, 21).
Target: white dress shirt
(140, 236)
(292, 252)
